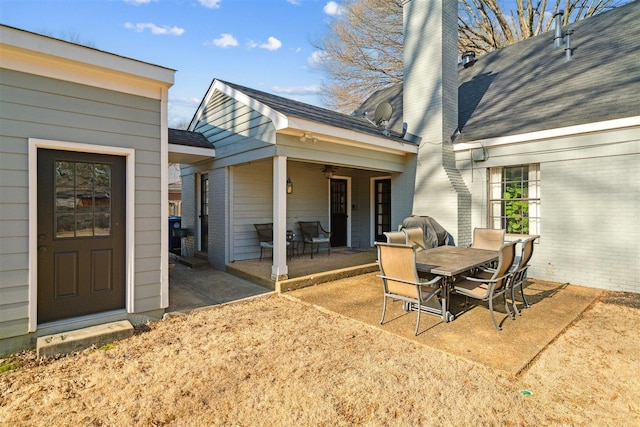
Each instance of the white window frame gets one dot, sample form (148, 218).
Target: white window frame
(495, 201)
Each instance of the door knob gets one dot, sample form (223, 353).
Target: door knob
(42, 249)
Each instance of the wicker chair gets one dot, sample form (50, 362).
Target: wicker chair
(401, 282)
(313, 234)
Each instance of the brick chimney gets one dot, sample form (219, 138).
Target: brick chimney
(430, 110)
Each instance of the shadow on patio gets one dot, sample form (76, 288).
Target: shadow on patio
(345, 284)
(471, 335)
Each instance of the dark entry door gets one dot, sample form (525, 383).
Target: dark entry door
(204, 212)
(81, 234)
(338, 212)
(382, 207)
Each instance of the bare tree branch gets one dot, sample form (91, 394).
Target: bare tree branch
(362, 50)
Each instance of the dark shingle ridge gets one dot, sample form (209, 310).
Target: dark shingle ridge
(188, 138)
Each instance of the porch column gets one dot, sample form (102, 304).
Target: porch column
(279, 269)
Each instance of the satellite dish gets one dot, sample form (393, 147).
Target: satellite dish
(383, 113)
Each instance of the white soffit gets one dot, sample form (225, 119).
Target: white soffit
(347, 137)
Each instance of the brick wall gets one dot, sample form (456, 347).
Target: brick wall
(590, 223)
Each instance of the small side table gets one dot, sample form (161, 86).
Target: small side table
(293, 244)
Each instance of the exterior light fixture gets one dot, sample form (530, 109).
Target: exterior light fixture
(328, 171)
(289, 186)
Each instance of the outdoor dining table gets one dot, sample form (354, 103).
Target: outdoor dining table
(449, 261)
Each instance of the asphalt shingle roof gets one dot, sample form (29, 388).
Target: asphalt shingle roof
(525, 87)
(188, 138)
(292, 108)
(528, 86)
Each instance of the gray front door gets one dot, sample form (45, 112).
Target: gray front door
(81, 234)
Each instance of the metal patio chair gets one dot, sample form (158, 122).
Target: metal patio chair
(415, 237)
(520, 272)
(395, 237)
(488, 238)
(313, 234)
(401, 282)
(487, 284)
(265, 237)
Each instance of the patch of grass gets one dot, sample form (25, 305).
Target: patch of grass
(6, 367)
(108, 346)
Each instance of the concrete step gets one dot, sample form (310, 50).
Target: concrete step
(193, 262)
(202, 255)
(79, 339)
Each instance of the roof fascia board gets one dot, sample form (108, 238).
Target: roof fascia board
(279, 120)
(196, 151)
(550, 133)
(61, 69)
(298, 127)
(62, 51)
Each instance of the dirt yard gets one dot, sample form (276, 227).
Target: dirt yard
(278, 362)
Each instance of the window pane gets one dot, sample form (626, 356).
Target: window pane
(65, 225)
(65, 200)
(65, 172)
(83, 190)
(516, 201)
(102, 224)
(102, 200)
(84, 199)
(84, 174)
(102, 175)
(84, 225)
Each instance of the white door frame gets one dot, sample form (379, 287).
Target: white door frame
(129, 153)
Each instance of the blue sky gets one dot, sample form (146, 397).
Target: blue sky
(263, 44)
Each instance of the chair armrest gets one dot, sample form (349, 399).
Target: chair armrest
(480, 280)
(429, 283)
(433, 281)
(328, 233)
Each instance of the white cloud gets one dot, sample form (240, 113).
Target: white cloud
(225, 40)
(138, 2)
(297, 90)
(272, 44)
(332, 8)
(210, 4)
(316, 59)
(155, 30)
(295, 2)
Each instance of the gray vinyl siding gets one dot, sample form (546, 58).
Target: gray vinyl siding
(37, 107)
(234, 127)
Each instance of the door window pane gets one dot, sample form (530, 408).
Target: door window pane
(83, 199)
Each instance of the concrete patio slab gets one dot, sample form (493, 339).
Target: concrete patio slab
(472, 334)
(202, 287)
